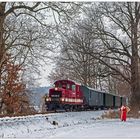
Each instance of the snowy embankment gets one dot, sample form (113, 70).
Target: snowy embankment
(68, 125)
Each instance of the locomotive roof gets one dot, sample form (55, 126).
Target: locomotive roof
(67, 81)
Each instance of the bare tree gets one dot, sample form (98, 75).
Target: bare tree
(24, 29)
(117, 25)
(74, 62)
(33, 13)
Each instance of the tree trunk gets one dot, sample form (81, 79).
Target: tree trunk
(2, 42)
(135, 68)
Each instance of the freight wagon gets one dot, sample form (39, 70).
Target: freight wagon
(96, 99)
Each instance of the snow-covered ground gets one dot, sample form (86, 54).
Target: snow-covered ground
(69, 125)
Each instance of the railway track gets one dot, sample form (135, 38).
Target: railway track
(24, 117)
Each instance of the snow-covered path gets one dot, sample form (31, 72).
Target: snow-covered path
(102, 129)
(70, 125)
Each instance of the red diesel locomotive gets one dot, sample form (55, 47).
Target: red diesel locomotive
(65, 94)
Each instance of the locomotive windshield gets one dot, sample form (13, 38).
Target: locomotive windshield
(64, 86)
(73, 87)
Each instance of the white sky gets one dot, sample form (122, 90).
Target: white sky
(44, 74)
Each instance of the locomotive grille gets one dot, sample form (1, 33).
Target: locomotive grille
(56, 95)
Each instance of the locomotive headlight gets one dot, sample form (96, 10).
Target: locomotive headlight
(56, 88)
(48, 99)
(62, 99)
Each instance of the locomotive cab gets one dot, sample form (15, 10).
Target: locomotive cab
(61, 90)
(64, 94)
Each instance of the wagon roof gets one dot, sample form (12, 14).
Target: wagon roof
(101, 91)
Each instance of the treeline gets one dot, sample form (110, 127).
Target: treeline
(26, 38)
(100, 48)
(94, 43)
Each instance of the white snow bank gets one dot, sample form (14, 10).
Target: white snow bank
(69, 125)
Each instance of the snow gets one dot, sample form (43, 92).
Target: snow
(71, 125)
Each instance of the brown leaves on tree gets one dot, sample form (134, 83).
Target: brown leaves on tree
(11, 86)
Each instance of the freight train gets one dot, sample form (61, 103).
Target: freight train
(69, 95)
